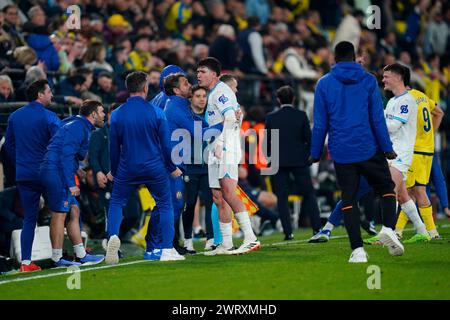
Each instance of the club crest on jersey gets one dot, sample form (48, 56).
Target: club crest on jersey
(223, 99)
(210, 113)
(404, 109)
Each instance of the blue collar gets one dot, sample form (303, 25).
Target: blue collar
(135, 98)
(36, 104)
(401, 94)
(86, 122)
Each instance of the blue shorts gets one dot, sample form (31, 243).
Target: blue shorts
(58, 196)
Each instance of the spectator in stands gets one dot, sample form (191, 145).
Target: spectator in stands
(153, 83)
(33, 74)
(117, 27)
(258, 8)
(180, 13)
(38, 38)
(95, 57)
(6, 42)
(225, 49)
(24, 58)
(140, 58)
(11, 25)
(105, 88)
(6, 89)
(118, 61)
(217, 15)
(72, 86)
(350, 29)
(69, 59)
(251, 44)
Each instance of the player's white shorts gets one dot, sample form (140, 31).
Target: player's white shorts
(218, 169)
(402, 163)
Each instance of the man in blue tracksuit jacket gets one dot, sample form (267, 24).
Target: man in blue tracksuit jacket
(161, 98)
(140, 154)
(348, 106)
(29, 131)
(57, 173)
(182, 126)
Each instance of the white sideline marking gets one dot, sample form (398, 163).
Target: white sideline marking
(290, 243)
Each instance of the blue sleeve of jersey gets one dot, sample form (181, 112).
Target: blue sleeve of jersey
(164, 138)
(320, 128)
(54, 123)
(377, 120)
(71, 145)
(114, 144)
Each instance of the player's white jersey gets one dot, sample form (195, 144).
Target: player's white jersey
(401, 120)
(222, 99)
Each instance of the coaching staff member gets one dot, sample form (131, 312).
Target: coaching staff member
(294, 147)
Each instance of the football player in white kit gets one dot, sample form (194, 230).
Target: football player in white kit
(223, 160)
(401, 120)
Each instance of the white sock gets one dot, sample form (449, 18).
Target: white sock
(26, 262)
(56, 254)
(245, 224)
(226, 230)
(409, 207)
(328, 226)
(79, 250)
(197, 229)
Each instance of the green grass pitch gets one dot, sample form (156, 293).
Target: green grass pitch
(280, 270)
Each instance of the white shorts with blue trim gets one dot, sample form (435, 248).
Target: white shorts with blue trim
(402, 163)
(218, 169)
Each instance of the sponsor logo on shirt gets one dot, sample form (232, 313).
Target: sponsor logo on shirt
(404, 109)
(210, 113)
(223, 99)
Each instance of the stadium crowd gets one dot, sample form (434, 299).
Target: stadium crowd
(264, 44)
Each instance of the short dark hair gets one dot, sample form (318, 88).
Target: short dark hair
(77, 79)
(171, 82)
(286, 95)
(196, 87)
(9, 6)
(398, 69)
(136, 81)
(36, 87)
(89, 106)
(407, 77)
(212, 64)
(84, 71)
(227, 78)
(344, 51)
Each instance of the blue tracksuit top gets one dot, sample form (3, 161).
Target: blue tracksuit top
(139, 141)
(68, 147)
(29, 131)
(180, 116)
(348, 106)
